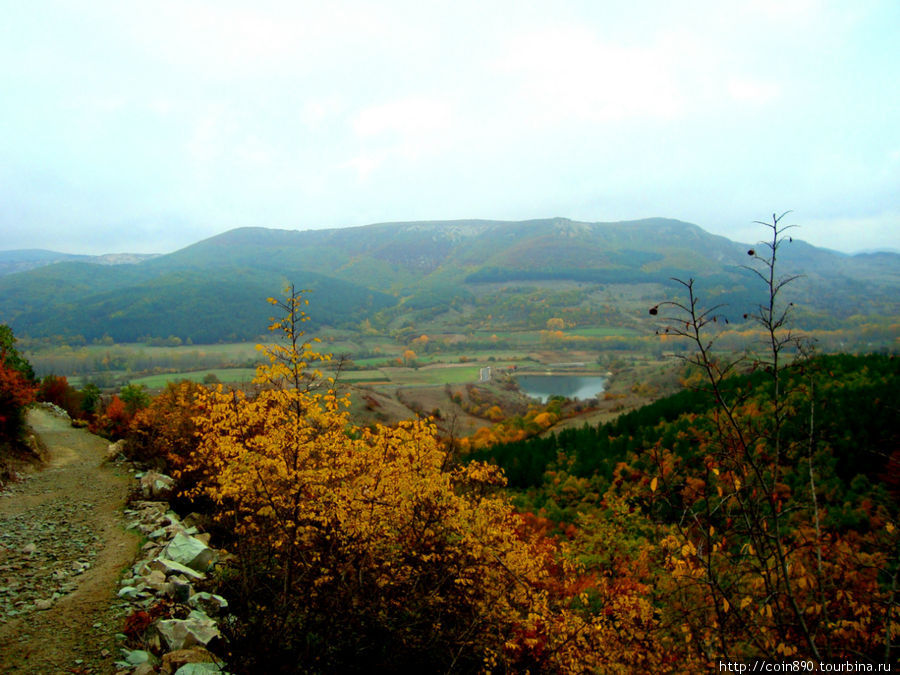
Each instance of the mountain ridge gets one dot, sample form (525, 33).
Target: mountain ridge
(415, 266)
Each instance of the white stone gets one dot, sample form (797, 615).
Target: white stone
(169, 567)
(190, 551)
(182, 633)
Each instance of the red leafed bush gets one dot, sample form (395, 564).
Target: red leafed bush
(16, 392)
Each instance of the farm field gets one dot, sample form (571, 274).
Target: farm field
(382, 358)
(230, 375)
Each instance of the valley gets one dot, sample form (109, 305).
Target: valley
(398, 454)
(412, 312)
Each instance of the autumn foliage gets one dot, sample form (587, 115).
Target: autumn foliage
(366, 549)
(752, 515)
(17, 389)
(16, 392)
(114, 420)
(57, 390)
(759, 563)
(756, 510)
(164, 432)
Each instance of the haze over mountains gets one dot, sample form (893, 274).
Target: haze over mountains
(22, 260)
(215, 289)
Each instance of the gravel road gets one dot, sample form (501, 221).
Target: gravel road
(62, 550)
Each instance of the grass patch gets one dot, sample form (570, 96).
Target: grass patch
(224, 375)
(374, 361)
(433, 376)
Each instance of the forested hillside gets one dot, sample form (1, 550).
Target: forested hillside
(756, 509)
(425, 273)
(133, 303)
(857, 423)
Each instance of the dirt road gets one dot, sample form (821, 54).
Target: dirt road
(62, 550)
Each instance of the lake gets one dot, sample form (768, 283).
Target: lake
(570, 386)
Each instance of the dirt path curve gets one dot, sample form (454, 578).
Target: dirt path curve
(62, 550)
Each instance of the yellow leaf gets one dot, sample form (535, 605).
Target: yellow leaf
(746, 601)
(653, 484)
(725, 605)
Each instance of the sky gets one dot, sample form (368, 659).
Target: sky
(147, 126)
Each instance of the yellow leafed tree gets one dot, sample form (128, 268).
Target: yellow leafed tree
(362, 548)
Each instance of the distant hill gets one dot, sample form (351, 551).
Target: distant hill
(215, 289)
(393, 257)
(22, 260)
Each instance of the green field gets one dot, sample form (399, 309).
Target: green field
(445, 359)
(232, 375)
(433, 375)
(360, 376)
(235, 351)
(374, 361)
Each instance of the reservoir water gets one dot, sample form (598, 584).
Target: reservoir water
(570, 386)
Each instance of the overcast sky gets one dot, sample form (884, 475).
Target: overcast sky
(146, 126)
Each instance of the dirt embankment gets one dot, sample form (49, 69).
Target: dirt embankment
(62, 549)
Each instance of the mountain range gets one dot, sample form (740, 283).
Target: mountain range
(215, 290)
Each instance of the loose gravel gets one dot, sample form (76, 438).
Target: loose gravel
(63, 547)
